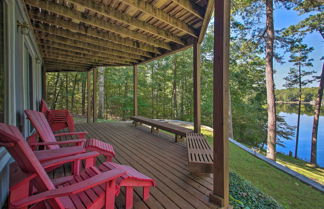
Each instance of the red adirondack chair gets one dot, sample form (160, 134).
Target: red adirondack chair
(58, 119)
(131, 179)
(91, 189)
(46, 134)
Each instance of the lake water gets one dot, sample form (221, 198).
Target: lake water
(289, 112)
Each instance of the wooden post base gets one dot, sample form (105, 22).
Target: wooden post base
(218, 201)
(179, 138)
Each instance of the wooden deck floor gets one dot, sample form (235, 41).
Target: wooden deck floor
(157, 156)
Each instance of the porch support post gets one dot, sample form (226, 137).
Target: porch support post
(220, 195)
(95, 100)
(44, 86)
(88, 97)
(196, 87)
(135, 84)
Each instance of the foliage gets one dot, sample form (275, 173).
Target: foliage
(313, 23)
(291, 94)
(244, 195)
(287, 190)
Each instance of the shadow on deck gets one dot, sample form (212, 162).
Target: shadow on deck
(157, 156)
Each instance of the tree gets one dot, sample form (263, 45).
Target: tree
(310, 24)
(271, 138)
(295, 78)
(316, 117)
(101, 93)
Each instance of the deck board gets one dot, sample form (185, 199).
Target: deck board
(155, 155)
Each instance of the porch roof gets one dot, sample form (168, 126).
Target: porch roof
(77, 35)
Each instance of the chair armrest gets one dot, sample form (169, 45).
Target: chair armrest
(59, 112)
(68, 159)
(72, 189)
(73, 141)
(81, 135)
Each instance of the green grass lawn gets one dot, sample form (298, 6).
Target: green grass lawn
(287, 190)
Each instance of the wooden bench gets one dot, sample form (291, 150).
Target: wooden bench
(180, 132)
(200, 155)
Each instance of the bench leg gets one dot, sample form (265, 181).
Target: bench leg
(179, 138)
(129, 197)
(146, 193)
(18, 194)
(76, 166)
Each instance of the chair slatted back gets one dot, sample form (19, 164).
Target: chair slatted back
(43, 106)
(11, 138)
(42, 127)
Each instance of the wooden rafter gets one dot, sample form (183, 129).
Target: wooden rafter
(49, 49)
(84, 59)
(58, 63)
(190, 7)
(53, 46)
(49, 59)
(66, 69)
(160, 15)
(75, 44)
(64, 58)
(122, 43)
(125, 19)
(115, 49)
(208, 14)
(95, 21)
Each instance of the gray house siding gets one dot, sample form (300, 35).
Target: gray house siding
(21, 62)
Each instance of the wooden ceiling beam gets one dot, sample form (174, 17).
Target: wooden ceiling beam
(65, 69)
(81, 47)
(122, 43)
(84, 59)
(68, 61)
(49, 48)
(160, 15)
(94, 21)
(208, 14)
(58, 66)
(95, 44)
(191, 7)
(125, 19)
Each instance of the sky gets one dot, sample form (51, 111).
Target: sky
(283, 19)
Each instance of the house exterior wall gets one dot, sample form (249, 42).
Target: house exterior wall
(22, 77)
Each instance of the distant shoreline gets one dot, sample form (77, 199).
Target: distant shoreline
(295, 102)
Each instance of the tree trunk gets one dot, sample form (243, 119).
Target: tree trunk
(299, 107)
(271, 139)
(67, 90)
(174, 90)
(55, 90)
(152, 90)
(101, 111)
(316, 118)
(125, 99)
(58, 94)
(73, 91)
(83, 94)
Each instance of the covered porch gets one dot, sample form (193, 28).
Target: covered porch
(82, 35)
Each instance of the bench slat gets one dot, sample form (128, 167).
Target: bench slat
(200, 154)
(162, 125)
